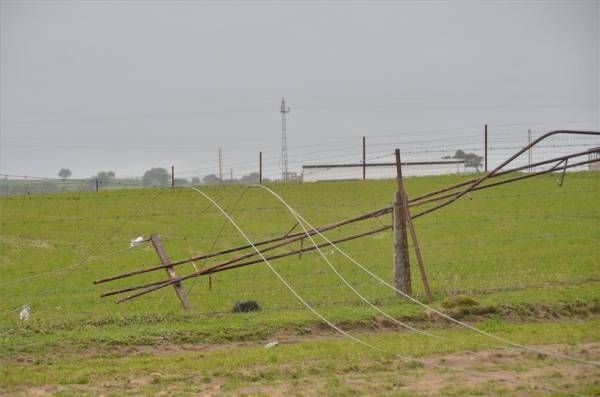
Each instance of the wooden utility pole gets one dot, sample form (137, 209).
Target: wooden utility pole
(486, 148)
(160, 251)
(259, 167)
(529, 151)
(97, 185)
(172, 176)
(364, 162)
(413, 235)
(402, 219)
(220, 166)
(401, 260)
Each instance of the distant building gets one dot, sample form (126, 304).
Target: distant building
(330, 172)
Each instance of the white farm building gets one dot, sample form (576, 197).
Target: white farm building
(329, 172)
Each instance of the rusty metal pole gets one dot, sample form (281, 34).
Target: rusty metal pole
(364, 163)
(401, 259)
(486, 148)
(260, 167)
(172, 176)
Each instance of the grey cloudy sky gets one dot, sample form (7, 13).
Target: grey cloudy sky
(98, 85)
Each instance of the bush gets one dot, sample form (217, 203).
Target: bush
(459, 301)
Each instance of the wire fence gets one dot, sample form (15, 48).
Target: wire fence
(58, 236)
(240, 166)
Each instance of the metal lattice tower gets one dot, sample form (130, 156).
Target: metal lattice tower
(284, 157)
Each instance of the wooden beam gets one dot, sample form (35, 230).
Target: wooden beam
(160, 251)
(401, 259)
(164, 283)
(415, 241)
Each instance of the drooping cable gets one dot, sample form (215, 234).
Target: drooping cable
(336, 328)
(441, 314)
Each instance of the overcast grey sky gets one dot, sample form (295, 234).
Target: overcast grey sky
(125, 86)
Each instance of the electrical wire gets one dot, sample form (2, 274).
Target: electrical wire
(332, 325)
(424, 305)
(279, 276)
(342, 278)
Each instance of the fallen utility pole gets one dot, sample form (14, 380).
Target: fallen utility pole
(417, 201)
(164, 283)
(442, 197)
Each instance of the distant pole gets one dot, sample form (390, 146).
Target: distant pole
(259, 167)
(401, 264)
(231, 175)
(220, 166)
(284, 154)
(486, 148)
(364, 162)
(97, 184)
(172, 176)
(529, 151)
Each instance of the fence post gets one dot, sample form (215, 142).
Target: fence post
(172, 176)
(401, 260)
(486, 149)
(260, 167)
(529, 151)
(364, 164)
(160, 251)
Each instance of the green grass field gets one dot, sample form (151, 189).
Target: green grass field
(527, 252)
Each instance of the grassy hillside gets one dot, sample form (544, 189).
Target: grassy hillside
(531, 242)
(527, 253)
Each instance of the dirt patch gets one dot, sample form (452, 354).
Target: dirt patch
(20, 242)
(425, 321)
(519, 373)
(42, 391)
(482, 373)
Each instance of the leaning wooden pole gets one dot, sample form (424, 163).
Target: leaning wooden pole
(413, 235)
(401, 261)
(160, 251)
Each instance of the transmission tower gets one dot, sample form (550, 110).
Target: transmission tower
(284, 158)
